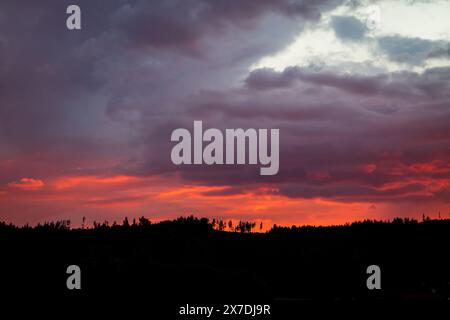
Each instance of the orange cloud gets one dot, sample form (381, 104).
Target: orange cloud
(27, 184)
(112, 198)
(436, 166)
(69, 182)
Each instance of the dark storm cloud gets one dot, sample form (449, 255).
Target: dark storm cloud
(405, 85)
(270, 79)
(351, 192)
(93, 97)
(348, 28)
(334, 141)
(181, 24)
(106, 99)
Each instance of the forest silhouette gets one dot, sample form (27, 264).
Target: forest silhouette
(195, 259)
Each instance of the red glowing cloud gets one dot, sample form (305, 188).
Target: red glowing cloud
(27, 184)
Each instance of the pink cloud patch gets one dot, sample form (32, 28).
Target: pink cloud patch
(27, 184)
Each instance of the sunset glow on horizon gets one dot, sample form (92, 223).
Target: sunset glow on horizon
(113, 198)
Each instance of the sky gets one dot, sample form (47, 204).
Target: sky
(360, 91)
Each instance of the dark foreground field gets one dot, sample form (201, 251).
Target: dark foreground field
(187, 261)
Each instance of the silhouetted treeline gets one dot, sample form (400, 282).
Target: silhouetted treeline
(192, 258)
(191, 222)
(204, 224)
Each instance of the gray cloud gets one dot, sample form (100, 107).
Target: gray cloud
(413, 51)
(91, 95)
(348, 28)
(440, 53)
(404, 85)
(332, 126)
(182, 24)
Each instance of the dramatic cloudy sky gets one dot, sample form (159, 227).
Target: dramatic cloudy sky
(359, 90)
